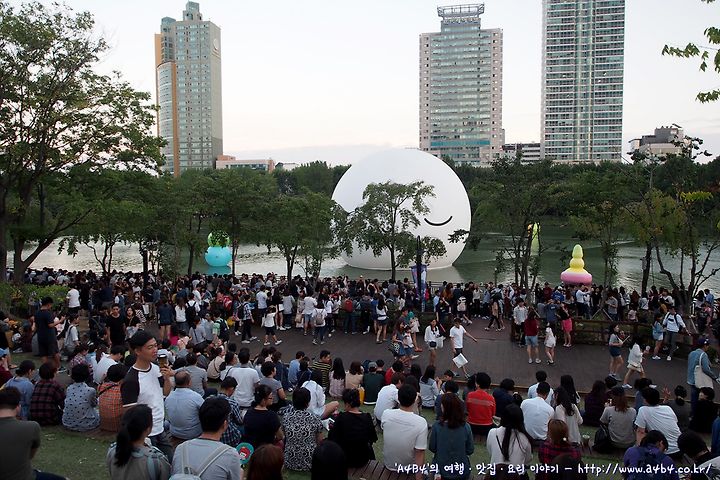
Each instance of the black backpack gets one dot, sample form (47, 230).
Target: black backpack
(190, 314)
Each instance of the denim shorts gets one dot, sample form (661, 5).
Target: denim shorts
(531, 341)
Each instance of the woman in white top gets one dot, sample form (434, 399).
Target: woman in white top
(317, 397)
(509, 443)
(433, 339)
(568, 412)
(429, 387)
(180, 317)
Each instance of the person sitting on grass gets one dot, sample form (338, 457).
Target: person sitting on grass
(22, 382)
(48, 398)
(132, 456)
(110, 398)
(555, 445)
(651, 450)
(19, 442)
(80, 414)
(303, 432)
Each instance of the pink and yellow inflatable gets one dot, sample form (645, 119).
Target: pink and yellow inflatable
(576, 274)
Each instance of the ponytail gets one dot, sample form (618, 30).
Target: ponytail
(134, 424)
(99, 351)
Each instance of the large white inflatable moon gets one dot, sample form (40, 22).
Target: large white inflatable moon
(449, 209)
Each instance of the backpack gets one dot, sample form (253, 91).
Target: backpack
(190, 313)
(224, 333)
(318, 318)
(188, 473)
(348, 305)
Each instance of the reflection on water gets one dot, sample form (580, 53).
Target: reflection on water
(476, 265)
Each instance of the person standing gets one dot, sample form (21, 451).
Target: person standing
(457, 333)
(673, 324)
(45, 326)
(146, 383)
(531, 337)
(615, 344)
(433, 339)
(520, 314)
(115, 326)
(699, 357)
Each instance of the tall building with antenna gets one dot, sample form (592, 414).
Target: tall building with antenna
(461, 87)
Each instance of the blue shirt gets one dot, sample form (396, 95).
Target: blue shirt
(293, 371)
(182, 409)
(550, 312)
(26, 388)
(693, 360)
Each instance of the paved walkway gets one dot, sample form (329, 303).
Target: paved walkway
(494, 354)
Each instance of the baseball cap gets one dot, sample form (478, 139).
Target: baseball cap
(701, 343)
(3, 352)
(372, 365)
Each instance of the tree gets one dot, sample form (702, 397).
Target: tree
(235, 206)
(385, 221)
(517, 196)
(56, 114)
(691, 50)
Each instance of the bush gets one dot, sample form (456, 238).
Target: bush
(20, 300)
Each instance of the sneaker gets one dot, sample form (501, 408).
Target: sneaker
(529, 360)
(550, 362)
(245, 341)
(353, 333)
(253, 338)
(413, 357)
(627, 386)
(469, 322)
(322, 343)
(330, 335)
(62, 370)
(366, 332)
(266, 344)
(304, 334)
(655, 357)
(314, 342)
(237, 334)
(487, 329)
(537, 360)
(278, 342)
(668, 358)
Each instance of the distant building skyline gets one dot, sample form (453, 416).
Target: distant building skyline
(582, 80)
(189, 90)
(461, 87)
(664, 141)
(230, 161)
(530, 152)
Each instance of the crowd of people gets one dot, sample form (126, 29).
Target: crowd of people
(167, 367)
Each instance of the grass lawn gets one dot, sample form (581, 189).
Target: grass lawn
(82, 456)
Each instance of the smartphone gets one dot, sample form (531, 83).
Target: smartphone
(162, 360)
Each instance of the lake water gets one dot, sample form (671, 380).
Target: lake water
(476, 265)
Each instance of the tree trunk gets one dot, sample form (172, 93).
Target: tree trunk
(3, 251)
(646, 267)
(144, 254)
(392, 264)
(191, 259)
(234, 249)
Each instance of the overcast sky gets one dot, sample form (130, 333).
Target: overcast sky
(334, 80)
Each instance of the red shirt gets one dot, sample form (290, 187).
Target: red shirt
(480, 407)
(388, 376)
(531, 326)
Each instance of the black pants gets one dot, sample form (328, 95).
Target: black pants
(246, 330)
(493, 319)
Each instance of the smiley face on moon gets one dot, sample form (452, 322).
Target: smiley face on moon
(449, 209)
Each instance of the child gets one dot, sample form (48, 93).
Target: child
(269, 323)
(550, 342)
(635, 358)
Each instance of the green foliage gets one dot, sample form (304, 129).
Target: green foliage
(57, 115)
(691, 50)
(18, 296)
(385, 220)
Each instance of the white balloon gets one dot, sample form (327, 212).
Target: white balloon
(449, 209)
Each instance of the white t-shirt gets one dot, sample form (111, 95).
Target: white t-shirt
(246, 378)
(537, 414)
(144, 387)
(261, 298)
(310, 304)
(520, 452)
(387, 399)
(269, 320)
(403, 432)
(662, 418)
(532, 393)
(573, 422)
(456, 335)
(317, 397)
(520, 314)
(73, 298)
(102, 367)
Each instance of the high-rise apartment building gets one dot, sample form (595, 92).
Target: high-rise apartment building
(189, 90)
(461, 87)
(582, 79)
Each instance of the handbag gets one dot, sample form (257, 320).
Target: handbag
(602, 444)
(432, 344)
(394, 348)
(702, 379)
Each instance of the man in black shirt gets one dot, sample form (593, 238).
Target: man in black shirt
(45, 323)
(115, 326)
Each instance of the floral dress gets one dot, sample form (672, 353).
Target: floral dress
(301, 428)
